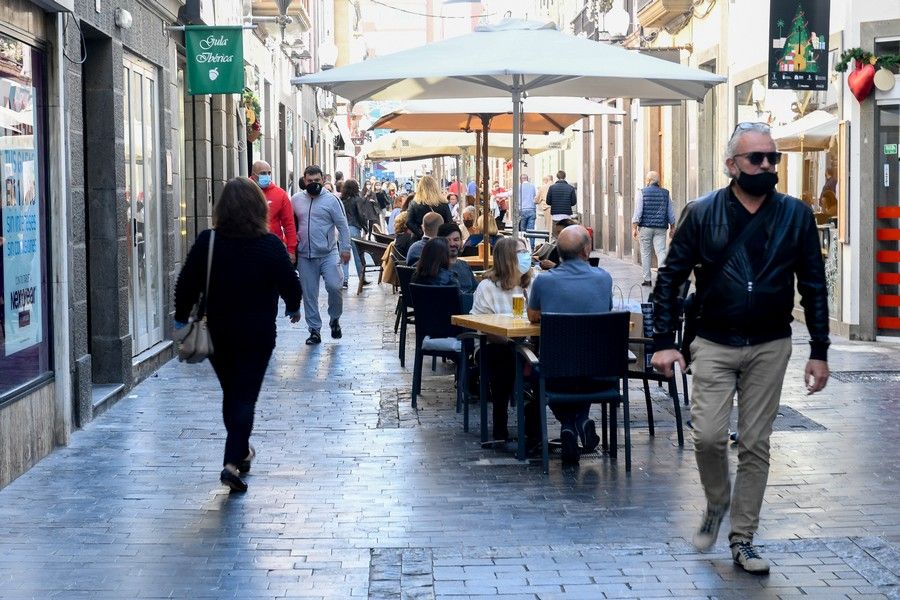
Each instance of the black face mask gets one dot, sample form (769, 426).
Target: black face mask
(760, 184)
(314, 188)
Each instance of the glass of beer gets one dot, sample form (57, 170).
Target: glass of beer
(518, 306)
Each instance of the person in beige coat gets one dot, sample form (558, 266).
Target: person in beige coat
(541, 201)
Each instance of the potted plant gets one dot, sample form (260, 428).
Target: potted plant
(252, 111)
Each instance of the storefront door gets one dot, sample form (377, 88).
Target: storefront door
(142, 194)
(887, 220)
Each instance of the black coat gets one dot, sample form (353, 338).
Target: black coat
(561, 198)
(745, 308)
(417, 212)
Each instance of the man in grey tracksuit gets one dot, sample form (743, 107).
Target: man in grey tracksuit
(323, 244)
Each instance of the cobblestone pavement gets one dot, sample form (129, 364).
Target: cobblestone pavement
(355, 495)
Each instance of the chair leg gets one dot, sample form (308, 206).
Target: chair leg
(403, 342)
(417, 376)
(626, 423)
(483, 391)
(604, 427)
(433, 364)
(649, 407)
(399, 312)
(460, 378)
(464, 387)
(684, 386)
(673, 392)
(545, 441)
(613, 431)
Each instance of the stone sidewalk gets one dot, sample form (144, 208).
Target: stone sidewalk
(355, 495)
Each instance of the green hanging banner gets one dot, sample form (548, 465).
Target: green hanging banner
(215, 59)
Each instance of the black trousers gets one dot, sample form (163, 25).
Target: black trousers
(240, 370)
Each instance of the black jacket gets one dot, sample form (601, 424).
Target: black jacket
(561, 198)
(745, 308)
(417, 212)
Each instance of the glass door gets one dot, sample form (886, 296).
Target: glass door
(887, 221)
(142, 195)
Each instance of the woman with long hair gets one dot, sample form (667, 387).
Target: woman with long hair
(403, 239)
(428, 199)
(359, 215)
(250, 270)
(511, 276)
(433, 267)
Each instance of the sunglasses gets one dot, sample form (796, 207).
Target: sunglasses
(756, 158)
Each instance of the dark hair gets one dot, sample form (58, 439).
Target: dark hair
(408, 201)
(560, 174)
(563, 223)
(312, 170)
(338, 175)
(448, 229)
(241, 210)
(435, 256)
(350, 188)
(470, 200)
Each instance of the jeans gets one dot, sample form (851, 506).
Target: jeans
(526, 222)
(311, 271)
(240, 370)
(651, 238)
(756, 373)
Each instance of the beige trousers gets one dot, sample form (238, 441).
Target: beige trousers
(756, 373)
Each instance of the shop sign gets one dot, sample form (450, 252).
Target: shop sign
(215, 59)
(890, 149)
(798, 49)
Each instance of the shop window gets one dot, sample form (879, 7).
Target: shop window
(891, 46)
(24, 319)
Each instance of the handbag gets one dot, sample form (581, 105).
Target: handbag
(694, 302)
(196, 345)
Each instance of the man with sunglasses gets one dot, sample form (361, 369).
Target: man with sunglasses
(747, 245)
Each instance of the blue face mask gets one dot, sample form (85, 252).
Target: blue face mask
(265, 181)
(524, 261)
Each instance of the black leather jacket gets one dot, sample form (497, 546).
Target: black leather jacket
(745, 308)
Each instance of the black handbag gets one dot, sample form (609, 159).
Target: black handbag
(694, 302)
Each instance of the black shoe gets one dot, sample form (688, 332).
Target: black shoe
(587, 431)
(314, 338)
(647, 283)
(569, 441)
(335, 329)
(366, 282)
(346, 285)
(232, 481)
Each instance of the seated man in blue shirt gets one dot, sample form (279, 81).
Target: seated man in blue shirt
(452, 233)
(572, 287)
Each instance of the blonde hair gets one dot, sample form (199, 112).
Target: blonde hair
(428, 192)
(506, 265)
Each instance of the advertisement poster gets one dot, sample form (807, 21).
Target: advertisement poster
(21, 252)
(798, 53)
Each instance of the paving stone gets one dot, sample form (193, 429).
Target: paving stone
(356, 495)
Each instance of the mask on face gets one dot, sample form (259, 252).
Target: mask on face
(314, 188)
(265, 181)
(524, 262)
(468, 224)
(759, 184)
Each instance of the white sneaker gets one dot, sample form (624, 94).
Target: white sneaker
(706, 534)
(747, 556)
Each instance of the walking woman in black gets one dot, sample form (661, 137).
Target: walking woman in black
(250, 270)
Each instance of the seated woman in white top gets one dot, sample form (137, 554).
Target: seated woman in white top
(511, 275)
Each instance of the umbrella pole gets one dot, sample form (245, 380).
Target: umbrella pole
(517, 152)
(485, 203)
(477, 165)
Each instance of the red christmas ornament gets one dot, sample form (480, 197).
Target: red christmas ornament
(861, 80)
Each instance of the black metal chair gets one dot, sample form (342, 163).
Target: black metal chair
(406, 315)
(591, 352)
(436, 336)
(376, 252)
(647, 374)
(383, 238)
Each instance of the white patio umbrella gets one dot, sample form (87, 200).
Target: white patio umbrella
(810, 132)
(411, 145)
(510, 59)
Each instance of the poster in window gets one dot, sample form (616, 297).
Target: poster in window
(798, 50)
(22, 285)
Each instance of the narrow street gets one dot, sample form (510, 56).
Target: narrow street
(356, 495)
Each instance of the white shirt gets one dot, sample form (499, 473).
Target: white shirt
(491, 299)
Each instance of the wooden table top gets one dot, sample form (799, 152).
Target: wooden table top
(503, 325)
(476, 261)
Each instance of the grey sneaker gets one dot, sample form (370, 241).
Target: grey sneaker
(706, 534)
(747, 556)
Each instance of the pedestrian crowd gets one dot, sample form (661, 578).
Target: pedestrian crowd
(745, 244)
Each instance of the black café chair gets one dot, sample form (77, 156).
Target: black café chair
(375, 251)
(578, 347)
(648, 374)
(442, 302)
(382, 238)
(406, 314)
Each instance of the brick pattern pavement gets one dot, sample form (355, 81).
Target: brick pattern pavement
(355, 495)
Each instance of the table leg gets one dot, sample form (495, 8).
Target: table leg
(519, 398)
(483, 389)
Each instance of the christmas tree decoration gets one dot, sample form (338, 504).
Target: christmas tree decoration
(798, 55)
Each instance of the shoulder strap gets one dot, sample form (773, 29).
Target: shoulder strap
(209, 255)
(734, 246)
